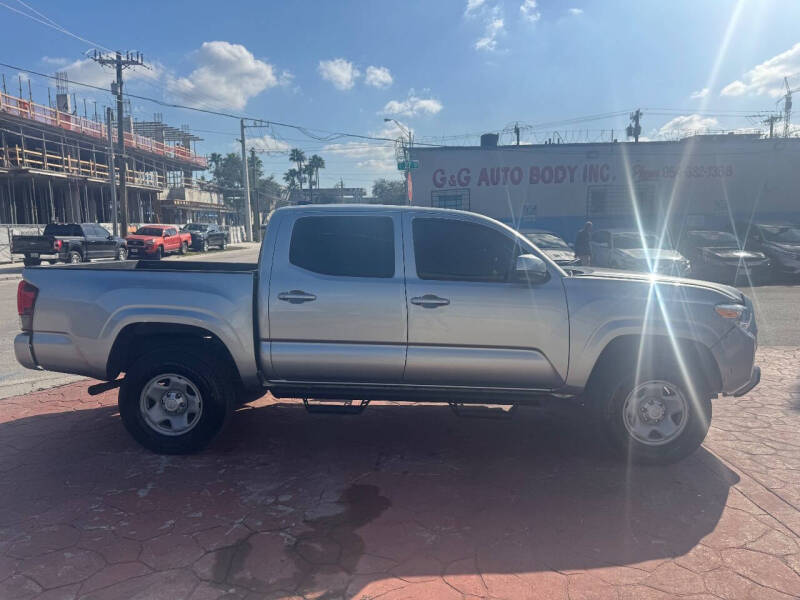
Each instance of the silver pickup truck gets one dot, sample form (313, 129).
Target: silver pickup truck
(359, 303)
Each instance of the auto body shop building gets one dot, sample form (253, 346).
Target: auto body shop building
(699, 181)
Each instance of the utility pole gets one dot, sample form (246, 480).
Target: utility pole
(255, 191)
(119, 63)
(634, 130)
(248, 224)
(771, 120)
(111, 174)
(787, 108)
(516, 132)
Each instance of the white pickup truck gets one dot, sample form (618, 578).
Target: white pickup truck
(359, 303)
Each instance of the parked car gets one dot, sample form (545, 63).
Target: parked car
(779, 241)
(717, 255)
(636, 251)
(552, 245)
(156, 241)
(401, 303)
(205, 235)
(69, 242)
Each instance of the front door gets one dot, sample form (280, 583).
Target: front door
(337, 298)
(172, 240)
(107, 243)
(471, 321)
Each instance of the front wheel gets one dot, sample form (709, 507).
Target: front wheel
(174, 401)
(224, 244)
(657, 416)
(122, 253)
(204, 246)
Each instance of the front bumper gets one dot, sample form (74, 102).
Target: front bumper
(755, 378)
(141, 250)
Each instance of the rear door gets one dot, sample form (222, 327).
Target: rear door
(471, 322)
(337, 298)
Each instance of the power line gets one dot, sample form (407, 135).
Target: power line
(48, 22)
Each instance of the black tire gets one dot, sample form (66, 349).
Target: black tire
(31, 262)
(74, 257)
(206, 375)
(224, 244)
(613, 393)
(53, 261)
(122, 253)
(204, 245)
(184, 248)
(159, 253)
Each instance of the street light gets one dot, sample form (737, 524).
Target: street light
(406, 151)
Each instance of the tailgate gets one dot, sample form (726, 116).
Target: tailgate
(32, 243)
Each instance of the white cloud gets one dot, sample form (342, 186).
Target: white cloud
(379, 77)
(266, 143)
(340, 72)
(577, 12)
(473, 6)
(494, 27)
(378, 157)
(700, 93)
(227, 76)
(55, 60)
(687, 124)
(412, 106)
(766, 78)
(529, 9)
(285, 79)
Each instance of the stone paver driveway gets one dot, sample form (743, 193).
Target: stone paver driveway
(401, 502)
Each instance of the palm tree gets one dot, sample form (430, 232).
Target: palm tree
(291, 177)
(309, 171)
(298, 157)
(316, 163)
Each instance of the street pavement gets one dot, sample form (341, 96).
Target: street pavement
(14, 379)
(403, 502)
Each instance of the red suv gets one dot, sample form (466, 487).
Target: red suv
(155, 241)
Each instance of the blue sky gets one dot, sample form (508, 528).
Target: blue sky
(445, 68)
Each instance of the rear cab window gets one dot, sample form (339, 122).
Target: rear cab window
(344, 246)
(57, 229)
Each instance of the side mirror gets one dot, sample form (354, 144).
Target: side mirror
(531, 268)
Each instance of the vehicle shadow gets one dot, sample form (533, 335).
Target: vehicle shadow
(400, 491)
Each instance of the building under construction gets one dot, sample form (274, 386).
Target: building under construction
(54, 167)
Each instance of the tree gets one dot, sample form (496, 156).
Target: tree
(387, 191)
(290, 177)
(298, 157)
(316, 163)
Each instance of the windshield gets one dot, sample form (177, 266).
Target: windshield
(633, 241)
(713, 238)
(195, 227)
(547, 241)
(781, 234)
(156, 231)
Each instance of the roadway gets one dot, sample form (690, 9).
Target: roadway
(776, 314)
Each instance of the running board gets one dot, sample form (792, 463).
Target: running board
(348, 407)
(482, 411)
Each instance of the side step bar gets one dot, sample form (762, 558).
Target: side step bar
(345, 408)
(482, 411)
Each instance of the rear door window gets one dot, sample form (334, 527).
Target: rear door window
(453, 250)
(345, 246)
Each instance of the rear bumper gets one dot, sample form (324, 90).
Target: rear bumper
(23, 350)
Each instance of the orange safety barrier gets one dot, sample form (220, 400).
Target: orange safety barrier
(56, 118)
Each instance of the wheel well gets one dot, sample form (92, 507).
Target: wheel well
(139, 338)
(695, 355)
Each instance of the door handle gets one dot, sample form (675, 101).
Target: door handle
(296, 297)
(429, 301)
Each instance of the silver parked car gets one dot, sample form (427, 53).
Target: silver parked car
(392, 303)
(552, 245)
(636, 251)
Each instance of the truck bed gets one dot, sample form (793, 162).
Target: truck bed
(82, 309)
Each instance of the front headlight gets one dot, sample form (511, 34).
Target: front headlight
(738, 313)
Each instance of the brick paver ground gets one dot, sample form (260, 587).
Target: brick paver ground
(401, 502)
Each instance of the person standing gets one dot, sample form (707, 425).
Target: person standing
(583, 246)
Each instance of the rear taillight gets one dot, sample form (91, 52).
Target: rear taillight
(57, 244)
(26, 299)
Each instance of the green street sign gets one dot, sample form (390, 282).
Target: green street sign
(405, 165)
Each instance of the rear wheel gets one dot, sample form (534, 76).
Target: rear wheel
(74, 257)
(174, 401)
(204, 245)
(184, 248)
(655, 416)
(224, 244)
(31, 262)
